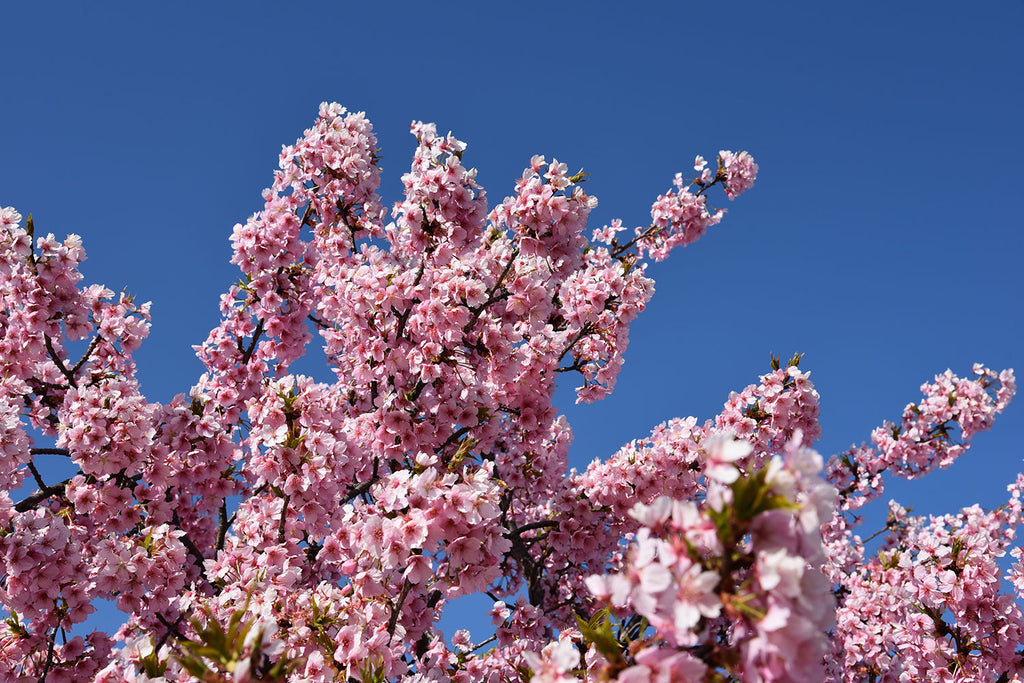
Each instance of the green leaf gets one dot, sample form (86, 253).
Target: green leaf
(723, 524)
(598, 632)
(238, 630)
(890, 561)
(153, 665)
(194, 666)
(147, 543)
(579, 177)
(15, 625)
(777, 502)
(752, 495)
(373, 672)
(745, 493)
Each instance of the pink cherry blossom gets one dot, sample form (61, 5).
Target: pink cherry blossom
(264, 525)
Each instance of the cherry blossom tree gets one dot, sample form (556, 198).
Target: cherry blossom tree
(267, 526)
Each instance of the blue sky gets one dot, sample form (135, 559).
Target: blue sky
(883, 237)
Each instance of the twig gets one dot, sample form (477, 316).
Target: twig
(455, 436)
(490, 293)
(88, 352)
(482, 643)
(397, 607)
(49, 650)
(222, 523)
(281, 521)
(577, 338)
(318, 322)
(252, 344)
(49, 451)
(362, 488)
(38, 477)
(58, 362)
(170, 627)
(41, 495)
(193, 550)
(545, 523)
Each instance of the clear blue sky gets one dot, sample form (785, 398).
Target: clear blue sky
(883, 238)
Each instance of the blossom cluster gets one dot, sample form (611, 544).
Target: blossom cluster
(737, 579)
(265, 525)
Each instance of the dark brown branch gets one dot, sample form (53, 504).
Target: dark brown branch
(50, 451)
(281, 521)
(891, 524)
(403, 318)
(306, 214)
(359, 490)
(88, 352)
(364, 487)
(575, 367)
(30, 230)
(247, 354)
(455, 436)
(476, 312)
(222, 523)
(415, 392)
(584, 331)
(39, 496)
(312, 550)
(38, 477)
(396, 608)
(170, 628)
(531, 571)
(318, 322)
(36, 382)
(58, 362)
(482, 643)
(546, 523)
(49, 650)
(197, 555)
(618, 249)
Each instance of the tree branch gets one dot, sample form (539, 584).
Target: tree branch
(363, 487)
(247, 354)
(50, 451)
(403, 318)
(88, 352)
(281, 521)
(53, 644)
(222, 523)
(42, 494)
(478, 311)
(359, 490)
(577, 338)
(397, 607)
(38, 477)
(58, 362)
(170, 628)
(546, 523)
(39, 496)
(193, 550)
